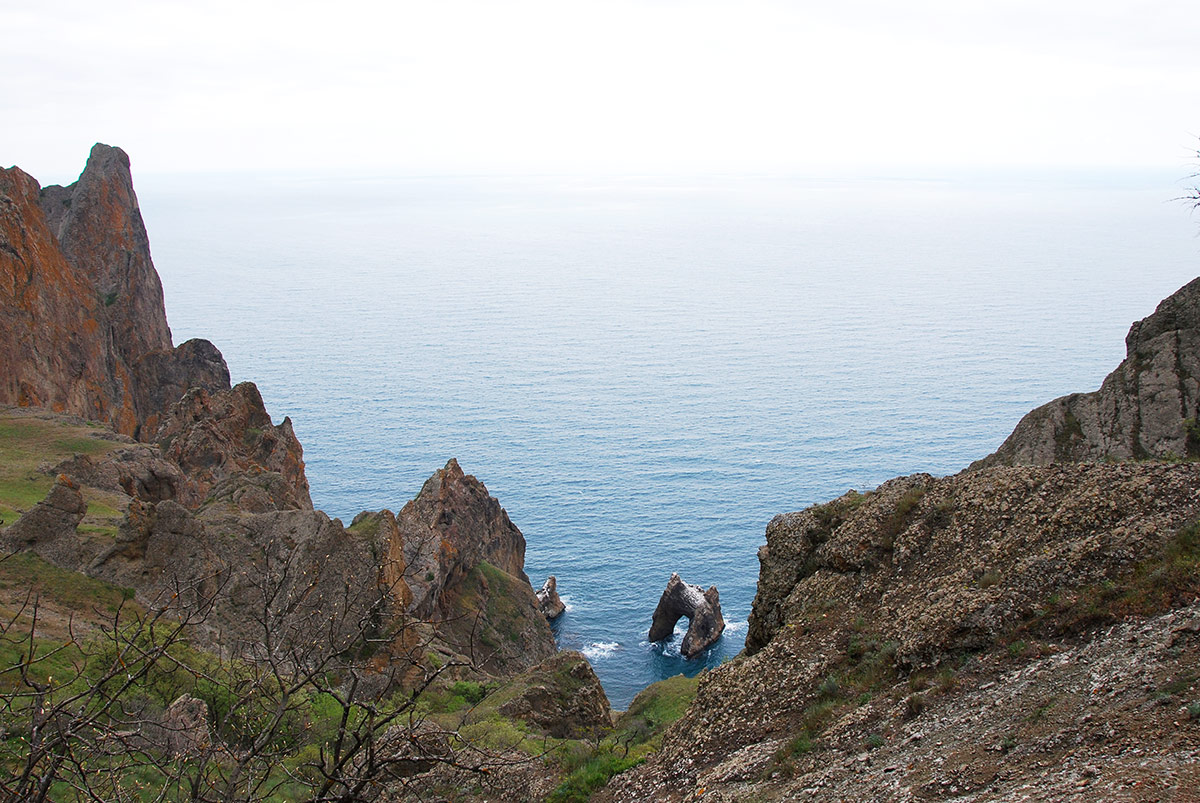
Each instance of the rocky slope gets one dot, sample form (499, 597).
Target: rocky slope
(1147, 408)
(1010, 633)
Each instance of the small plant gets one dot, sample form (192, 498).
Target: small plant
(829, 688)
(874, 741)
(914, 705)
(1008, 743)
(1193, 710)
(989, 579)
(800, 745)
(918, 681)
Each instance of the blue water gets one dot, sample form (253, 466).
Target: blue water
(644, 371)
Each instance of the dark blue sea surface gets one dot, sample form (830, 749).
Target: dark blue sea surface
(645, 370)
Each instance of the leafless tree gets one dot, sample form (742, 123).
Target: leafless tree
(317, 700)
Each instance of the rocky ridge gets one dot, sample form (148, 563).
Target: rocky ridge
(1147, 408)
(219, 487)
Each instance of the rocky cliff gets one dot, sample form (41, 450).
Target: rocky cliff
(83, 328)
(1147, 408)
(1010, 633)
(219, 488)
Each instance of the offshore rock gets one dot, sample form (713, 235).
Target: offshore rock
(702, 608)
(81, 306)
(226, 445)
(465, 567)
(1147, 408)
(549, 602)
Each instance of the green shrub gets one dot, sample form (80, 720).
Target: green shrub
(579, 785)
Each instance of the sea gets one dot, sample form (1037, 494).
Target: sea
(645, 369)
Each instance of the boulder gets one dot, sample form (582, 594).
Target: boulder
(51, 519)
(702, 608)
(185, 726)
(562, 697)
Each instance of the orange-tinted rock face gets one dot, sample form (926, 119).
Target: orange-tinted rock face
(228, 436)
(83, 329)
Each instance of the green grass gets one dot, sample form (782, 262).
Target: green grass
(28, 443)
(654, 709)
(596, 772)
(71, 590)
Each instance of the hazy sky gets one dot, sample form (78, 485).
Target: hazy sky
(611, 85)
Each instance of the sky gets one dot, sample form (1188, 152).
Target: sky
(615, 86)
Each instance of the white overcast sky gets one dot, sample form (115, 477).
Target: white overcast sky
(610, 85)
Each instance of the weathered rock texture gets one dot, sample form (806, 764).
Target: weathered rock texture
(1147, 408)
(550, 604)
(83, 328)
(903, 582)
(465, 567)
(702, 608)
(561, 697)
(54, 518)
(226, 445)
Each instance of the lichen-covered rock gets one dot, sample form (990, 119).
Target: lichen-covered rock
(226, 439)
(137, 470)
(83, 329)
(55, 517)
(1147, 408)
(185, 727)
(702, 608)
(562, 697)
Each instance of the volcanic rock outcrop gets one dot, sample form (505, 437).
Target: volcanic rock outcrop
(465, 567)
(218, 515)
(83, 328)
(1147, 408)
(702, 608)
(562, 697)
(227, 437)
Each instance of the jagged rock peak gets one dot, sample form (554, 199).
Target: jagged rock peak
(99, 227)
(229, 449)
(85, 328)
(1147, 408)
(465, 561)
(702, 608)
